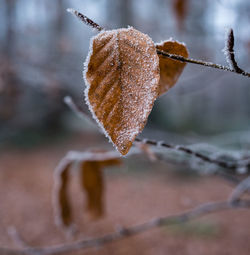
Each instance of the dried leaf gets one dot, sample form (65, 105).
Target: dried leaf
(92, 182)
(93, 185)
(91, 164)
(170, 69)
(62, 205)
(122, 76)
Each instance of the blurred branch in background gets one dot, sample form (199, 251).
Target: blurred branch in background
(125, 232)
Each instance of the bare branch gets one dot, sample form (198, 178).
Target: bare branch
(123, 233)
(229, 51)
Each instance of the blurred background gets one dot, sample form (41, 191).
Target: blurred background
(42, 51)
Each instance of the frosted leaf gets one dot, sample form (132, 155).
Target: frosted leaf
(170, 69)
(90, 165)
(122, 76)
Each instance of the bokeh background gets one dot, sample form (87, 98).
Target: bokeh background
(42, 51)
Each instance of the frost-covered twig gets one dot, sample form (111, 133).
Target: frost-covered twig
(123, 233)
(229, 52)
(221, 163)
(200, 62)
(85, 19)
(93, 24)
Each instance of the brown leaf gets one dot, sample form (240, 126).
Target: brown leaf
(92, 182)
(122, 76)
(93, 185)
(62, 205)
(170, 69)
(91, 164)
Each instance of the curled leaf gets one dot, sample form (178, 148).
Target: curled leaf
(91, 179)
(122, 76)
(170, 69)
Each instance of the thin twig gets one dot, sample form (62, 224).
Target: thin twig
(229, 51)
(93, 24)
(123, 233)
